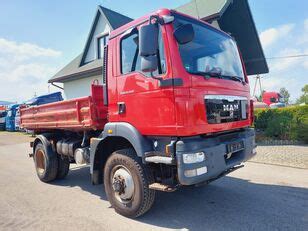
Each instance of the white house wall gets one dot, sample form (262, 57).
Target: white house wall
(80, 87)
(102, 28)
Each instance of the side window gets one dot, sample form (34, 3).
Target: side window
(130, 59)
(129, 54)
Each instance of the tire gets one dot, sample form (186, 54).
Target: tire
(63, 167)
(124, 164)
(46, 163)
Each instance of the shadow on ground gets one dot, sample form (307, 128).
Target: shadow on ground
(227, 204)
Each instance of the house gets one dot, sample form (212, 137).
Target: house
(78, 75)
(232, 16)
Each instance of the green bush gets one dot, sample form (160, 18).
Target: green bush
(290, 123)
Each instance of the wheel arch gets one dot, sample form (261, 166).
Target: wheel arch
(115, 136)
(44, 139)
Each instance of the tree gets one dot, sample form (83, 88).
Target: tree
(285, 94)
(304, 97)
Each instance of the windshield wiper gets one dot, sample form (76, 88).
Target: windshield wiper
(207, 74)
(234, 78)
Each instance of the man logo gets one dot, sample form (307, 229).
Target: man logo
(230, 107)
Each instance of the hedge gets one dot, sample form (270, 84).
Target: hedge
(289, 123)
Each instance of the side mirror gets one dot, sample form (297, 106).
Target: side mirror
(148, 46)
(149, 63)
(184, 34)
(148, 40)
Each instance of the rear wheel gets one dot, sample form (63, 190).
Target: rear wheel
(63, 167)
(46, 163)
(126, 182)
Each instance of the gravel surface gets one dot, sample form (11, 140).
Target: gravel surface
(256, 197)
(286, 155)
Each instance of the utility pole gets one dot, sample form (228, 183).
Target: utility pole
(258, 80)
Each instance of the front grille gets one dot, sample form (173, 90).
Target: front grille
(224, 109)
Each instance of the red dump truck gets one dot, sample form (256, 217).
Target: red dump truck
(273, 99)
(173, 109)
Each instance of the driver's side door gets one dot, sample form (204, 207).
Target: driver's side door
(141, 101)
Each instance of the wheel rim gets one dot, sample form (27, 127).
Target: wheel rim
(40, 161)
(122, 184)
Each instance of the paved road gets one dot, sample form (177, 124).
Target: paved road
(257, 197)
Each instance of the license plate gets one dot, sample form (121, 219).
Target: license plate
(235, 147)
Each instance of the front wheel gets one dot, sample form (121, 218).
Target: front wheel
(126, 182)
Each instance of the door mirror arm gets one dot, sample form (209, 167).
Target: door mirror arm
(157, 78)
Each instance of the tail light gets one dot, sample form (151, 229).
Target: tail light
(252, 117)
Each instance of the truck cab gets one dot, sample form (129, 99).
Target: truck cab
(190, 93)
(174, 109)
(2, 118)
(10, 117)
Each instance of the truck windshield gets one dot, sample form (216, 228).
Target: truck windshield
(211, 53)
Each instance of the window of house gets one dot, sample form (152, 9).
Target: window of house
(101, 43)
(130, 59)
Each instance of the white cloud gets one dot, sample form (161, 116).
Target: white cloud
(24, 69)
(30, 72)
(287, 63)
(25, 50)
(269, 36)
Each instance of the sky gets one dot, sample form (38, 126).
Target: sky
(38, 38)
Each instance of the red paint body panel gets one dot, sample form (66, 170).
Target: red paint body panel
(87, 113)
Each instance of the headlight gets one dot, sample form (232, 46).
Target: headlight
(191, 158)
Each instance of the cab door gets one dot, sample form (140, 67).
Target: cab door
(141, 101)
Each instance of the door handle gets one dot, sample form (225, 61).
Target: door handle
(121, 107)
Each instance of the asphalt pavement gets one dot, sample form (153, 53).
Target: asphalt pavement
(256, 197)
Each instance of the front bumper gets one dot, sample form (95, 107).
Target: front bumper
(215, 149)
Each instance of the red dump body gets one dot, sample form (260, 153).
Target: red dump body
(80, 114)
